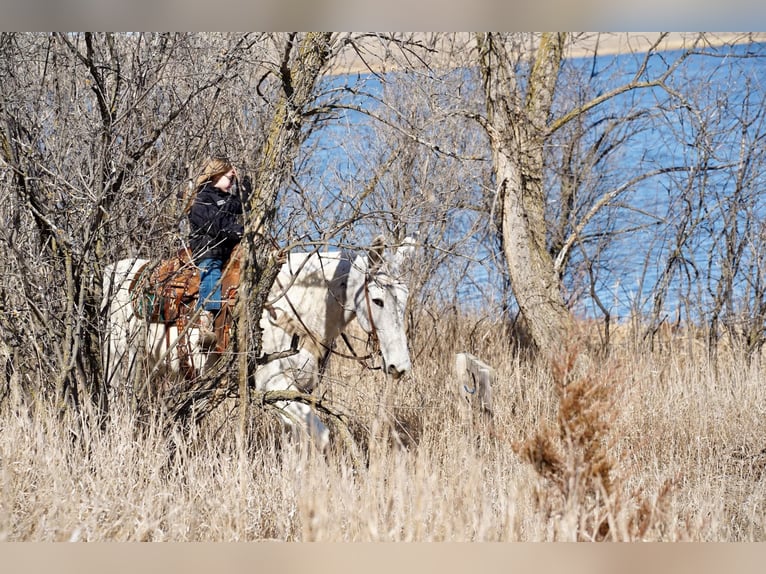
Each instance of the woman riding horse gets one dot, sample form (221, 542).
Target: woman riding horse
(214, 218)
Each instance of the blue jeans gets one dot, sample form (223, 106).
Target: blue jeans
(210, 284)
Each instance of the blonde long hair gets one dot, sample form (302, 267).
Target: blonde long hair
(213, 169)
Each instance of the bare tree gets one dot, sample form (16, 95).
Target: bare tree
(302, 63)
(97, 132)
(528, 111)
(517, 124)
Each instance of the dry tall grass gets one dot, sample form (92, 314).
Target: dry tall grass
(640, 446)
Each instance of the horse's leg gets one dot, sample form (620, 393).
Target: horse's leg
(309, 421)
(284, 374)
(116, 358)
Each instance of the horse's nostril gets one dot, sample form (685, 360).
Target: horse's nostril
(394, 372)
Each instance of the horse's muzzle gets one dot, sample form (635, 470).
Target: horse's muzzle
(394, 372)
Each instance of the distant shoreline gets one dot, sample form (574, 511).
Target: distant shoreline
(623, 43)
(603, 43)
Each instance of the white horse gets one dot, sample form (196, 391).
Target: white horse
(314, 298)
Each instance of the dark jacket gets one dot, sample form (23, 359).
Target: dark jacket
(214, 220)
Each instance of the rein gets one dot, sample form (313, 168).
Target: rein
(362, 360)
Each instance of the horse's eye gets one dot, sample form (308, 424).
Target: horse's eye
(378, 302)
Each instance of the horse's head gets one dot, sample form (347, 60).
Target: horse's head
(380, 300)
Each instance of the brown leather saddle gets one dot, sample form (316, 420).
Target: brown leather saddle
(167, 293)
(164, 292)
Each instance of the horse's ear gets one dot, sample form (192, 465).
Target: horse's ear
(404, 252)
(375, 254)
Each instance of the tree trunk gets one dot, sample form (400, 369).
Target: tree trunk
(298, 74)
(517, 128)
(274, 167)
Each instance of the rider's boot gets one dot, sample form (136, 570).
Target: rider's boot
(207, 336)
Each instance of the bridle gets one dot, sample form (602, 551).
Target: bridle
(373, 335)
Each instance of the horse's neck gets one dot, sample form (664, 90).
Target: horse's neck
(320, 293)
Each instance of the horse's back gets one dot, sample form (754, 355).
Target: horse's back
(117, 276)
